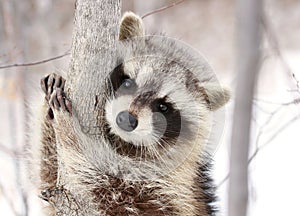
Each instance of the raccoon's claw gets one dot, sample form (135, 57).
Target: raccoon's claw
(50, 83)
(48, 193)
(50, 115)
(58, 101)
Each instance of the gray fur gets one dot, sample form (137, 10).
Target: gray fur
(163, 175)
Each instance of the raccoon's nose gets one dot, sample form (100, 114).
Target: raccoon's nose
(126, 121)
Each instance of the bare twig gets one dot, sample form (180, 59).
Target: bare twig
(223, 181)
(35, 63)
(162, 9)
(276, 48)
(282, 128)
(295, 101)
(8, 151)
(259, 148)
(8, 200)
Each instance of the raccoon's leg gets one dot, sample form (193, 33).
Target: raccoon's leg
(60, 116)
(49, 163)
(48, 170)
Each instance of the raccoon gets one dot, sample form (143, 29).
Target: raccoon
(150, 158)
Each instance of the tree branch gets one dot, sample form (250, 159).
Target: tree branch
(259, 148)
(35, 63)
(162, 9)
(275, 46)
(9, 201)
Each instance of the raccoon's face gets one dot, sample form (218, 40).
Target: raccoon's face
(151, 108)
(161, 95)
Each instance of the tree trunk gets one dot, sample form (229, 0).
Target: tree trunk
(248, 56)
(93, 57)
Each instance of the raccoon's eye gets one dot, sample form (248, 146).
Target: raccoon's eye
(128, 83)
(163, 107)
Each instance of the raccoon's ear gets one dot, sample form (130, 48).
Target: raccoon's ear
(131, 26)
(216, 96)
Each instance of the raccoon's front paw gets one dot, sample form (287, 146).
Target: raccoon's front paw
(58, 104)
(50, 82)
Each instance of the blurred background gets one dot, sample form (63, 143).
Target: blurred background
(35, 39)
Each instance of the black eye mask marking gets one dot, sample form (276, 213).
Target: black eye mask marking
(117, 77)
(166, 119)
(121, 82)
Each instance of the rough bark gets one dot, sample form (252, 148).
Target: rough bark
(93, 57)
(248, 56)
(93, 53)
